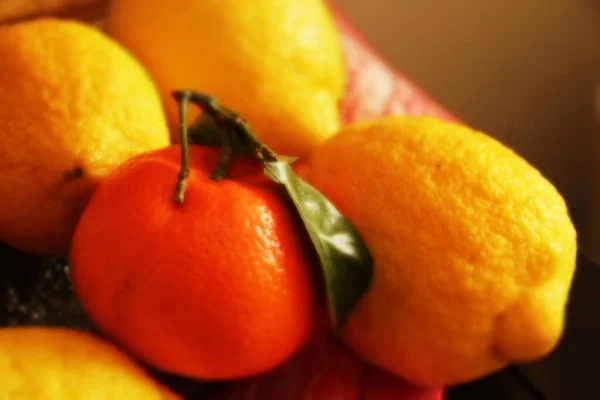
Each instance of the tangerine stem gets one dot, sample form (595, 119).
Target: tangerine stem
(260, 150)
(229, 123)
(224, 120)
(225, 163)
(184, 173)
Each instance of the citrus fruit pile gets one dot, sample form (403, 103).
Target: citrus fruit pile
(223, 222)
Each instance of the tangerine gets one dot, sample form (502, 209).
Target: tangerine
(219, 287)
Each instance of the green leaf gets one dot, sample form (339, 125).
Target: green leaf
(206, 132)
(345, 259)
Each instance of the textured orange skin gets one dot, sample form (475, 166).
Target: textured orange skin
(217, 288)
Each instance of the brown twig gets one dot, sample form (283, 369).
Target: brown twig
(15, 11)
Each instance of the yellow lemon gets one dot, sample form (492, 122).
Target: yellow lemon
(59, 363)
(474, 250)
(279, 63)
(73, 106)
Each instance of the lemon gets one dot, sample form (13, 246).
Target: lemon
(474, 250)
(278, 63)
(74, 105)
(60, 363)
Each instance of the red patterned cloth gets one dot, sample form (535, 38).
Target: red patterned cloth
(326, 370)
(375, 89)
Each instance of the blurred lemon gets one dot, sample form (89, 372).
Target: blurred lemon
(279, 63)
(59, 364)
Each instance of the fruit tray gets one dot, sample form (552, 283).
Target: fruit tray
(36, 291)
